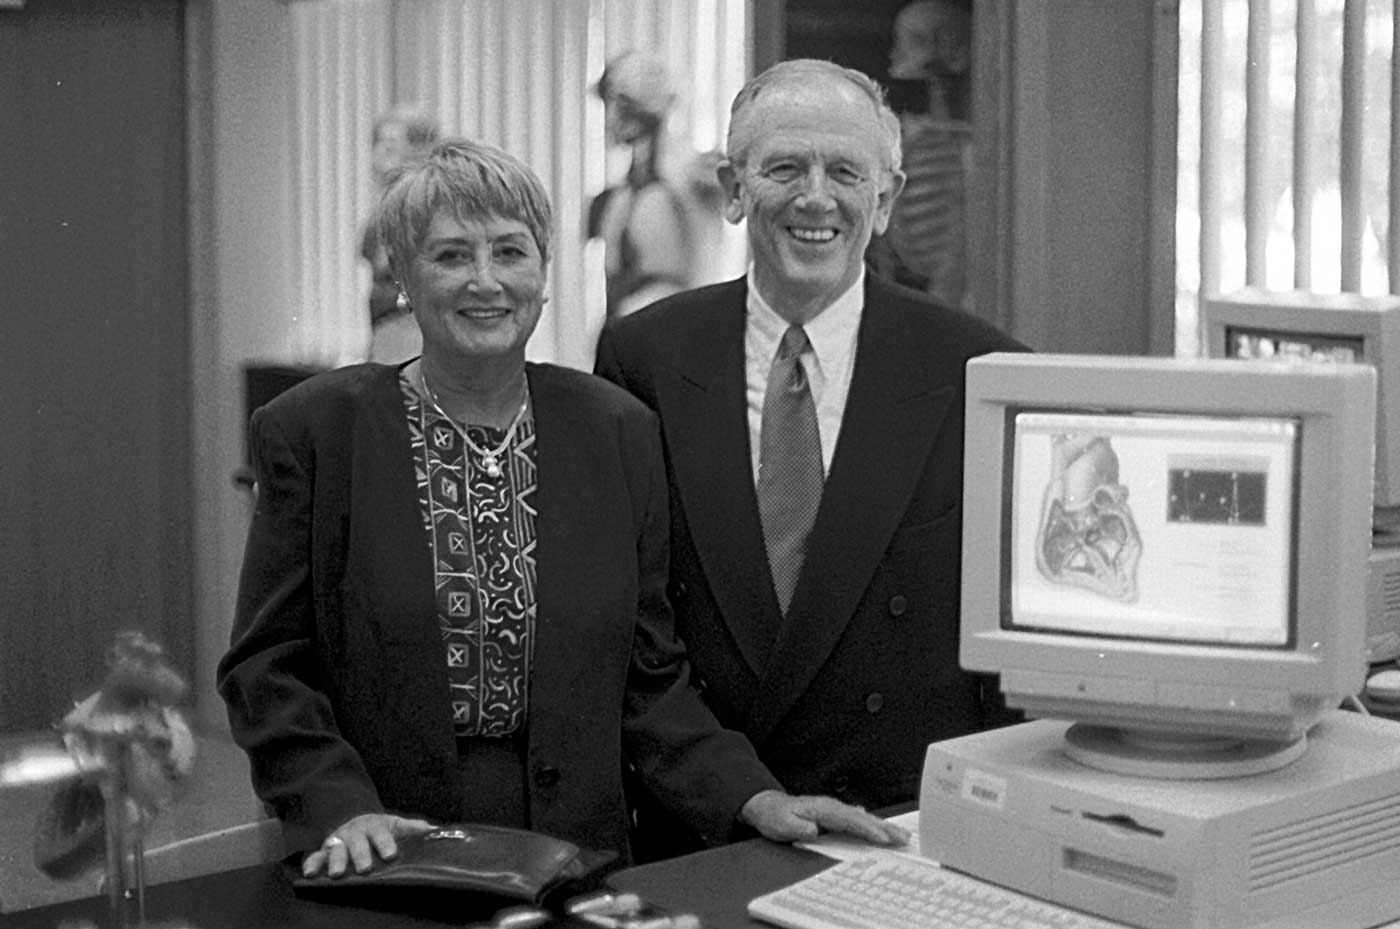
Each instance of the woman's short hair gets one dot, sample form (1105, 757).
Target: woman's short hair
(473, 179)
(800, 71)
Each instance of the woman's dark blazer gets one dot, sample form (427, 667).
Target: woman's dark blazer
(335, 683)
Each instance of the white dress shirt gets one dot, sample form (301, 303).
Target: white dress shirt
(832, 334)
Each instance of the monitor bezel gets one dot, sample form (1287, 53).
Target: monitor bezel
(1336, 408)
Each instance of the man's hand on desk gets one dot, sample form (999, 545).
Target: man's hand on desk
(784, 818)
(356, 843)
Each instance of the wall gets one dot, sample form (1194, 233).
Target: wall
(1099, 107)
(239, 66)
(1082, 171)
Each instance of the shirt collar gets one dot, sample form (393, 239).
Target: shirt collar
(832, 332)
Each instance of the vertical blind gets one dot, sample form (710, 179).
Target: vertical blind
(1288, 153)
(516, 73)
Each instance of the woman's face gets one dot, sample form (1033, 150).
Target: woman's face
(477, 286)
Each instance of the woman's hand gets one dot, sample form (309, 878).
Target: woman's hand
(357, 842)
(784, 818)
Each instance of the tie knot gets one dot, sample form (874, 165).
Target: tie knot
(794, 342)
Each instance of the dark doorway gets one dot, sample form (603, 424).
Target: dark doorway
(95, 501)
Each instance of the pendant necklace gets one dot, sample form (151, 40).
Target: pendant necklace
(490, 457)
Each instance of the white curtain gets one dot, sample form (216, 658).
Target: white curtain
(516, 73)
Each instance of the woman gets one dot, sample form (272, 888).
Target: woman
(452, 603)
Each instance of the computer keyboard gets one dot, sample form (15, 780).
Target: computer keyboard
(904, 892)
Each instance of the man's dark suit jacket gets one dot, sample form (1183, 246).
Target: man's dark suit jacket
(844, 694)
(336, 681)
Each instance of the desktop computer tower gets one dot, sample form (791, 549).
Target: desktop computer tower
(1313, 845)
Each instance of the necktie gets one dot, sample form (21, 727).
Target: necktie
(790, 464)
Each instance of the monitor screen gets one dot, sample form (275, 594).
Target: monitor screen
(1153, 527)
(1255, 344)
(1168, 546)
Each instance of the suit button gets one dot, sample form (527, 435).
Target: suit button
(679, 590)
(874, 702)
(546, 777)
(840, 784)
(899, 605)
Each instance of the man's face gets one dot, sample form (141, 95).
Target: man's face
(814, 188)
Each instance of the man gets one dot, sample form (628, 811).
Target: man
(843, 682)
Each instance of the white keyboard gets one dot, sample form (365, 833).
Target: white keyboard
(903, 892)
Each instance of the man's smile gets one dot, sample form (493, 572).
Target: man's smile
(812, 235)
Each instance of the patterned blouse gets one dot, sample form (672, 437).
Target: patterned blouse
(482, 533)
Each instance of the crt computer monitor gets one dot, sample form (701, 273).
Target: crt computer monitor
(1168, 552)
(1298, 326)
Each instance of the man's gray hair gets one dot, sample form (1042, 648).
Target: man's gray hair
(800, 71)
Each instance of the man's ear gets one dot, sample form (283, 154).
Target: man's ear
(729, 182)
(884, 205)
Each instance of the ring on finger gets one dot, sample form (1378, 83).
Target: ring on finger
(332, 841)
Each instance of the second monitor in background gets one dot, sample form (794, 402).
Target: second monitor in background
(1299, 327)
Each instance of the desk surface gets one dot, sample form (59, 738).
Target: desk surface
(716, 885)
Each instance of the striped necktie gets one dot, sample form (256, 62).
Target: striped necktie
(790, 464)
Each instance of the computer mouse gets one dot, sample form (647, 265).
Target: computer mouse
(1384, 686)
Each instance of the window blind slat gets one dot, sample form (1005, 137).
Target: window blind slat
(1212, 69)
(1352, 140)
(1305, 123)
(1393, 207)
(1257, 207)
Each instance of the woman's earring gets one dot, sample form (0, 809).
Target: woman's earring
(402, 302)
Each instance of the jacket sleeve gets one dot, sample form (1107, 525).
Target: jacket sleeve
(699, 771)
(605, 361)
(271, 679)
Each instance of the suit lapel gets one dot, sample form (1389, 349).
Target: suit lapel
(703, 411)
(892, 414)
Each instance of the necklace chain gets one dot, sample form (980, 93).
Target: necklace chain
(490, 458)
